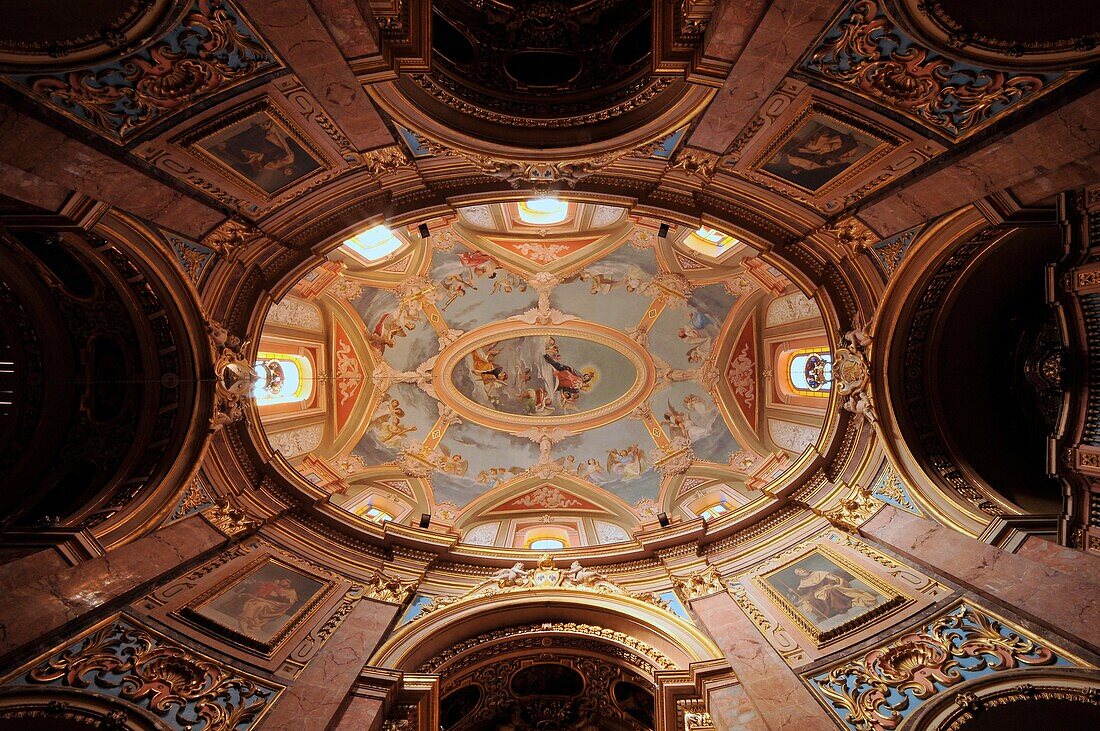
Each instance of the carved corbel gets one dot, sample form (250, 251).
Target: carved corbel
(383, 588)
(699, 584)
(231, 521)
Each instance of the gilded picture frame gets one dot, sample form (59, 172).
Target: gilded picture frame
(258, 147)
(260, 605)
(827, 596)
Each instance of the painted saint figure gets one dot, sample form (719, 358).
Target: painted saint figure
(268, 601)
(568, 381)
(828, 594)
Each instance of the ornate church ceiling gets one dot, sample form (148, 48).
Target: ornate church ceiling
(530, 379)
(547, 355)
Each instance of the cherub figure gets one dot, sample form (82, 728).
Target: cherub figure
(514, 576)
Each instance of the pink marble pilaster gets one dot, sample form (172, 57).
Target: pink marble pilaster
(361, 714)
(774, 46)
(47, 603)
(302, 40)
(1081, 564)
(314, 699)
(730, 708)
(1055, 152)
(30, 568)
(41, 162)
(780, 699)
(1068, 604)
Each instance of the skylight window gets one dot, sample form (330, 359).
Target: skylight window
(543, 211)
(374, 243)
(709, 241)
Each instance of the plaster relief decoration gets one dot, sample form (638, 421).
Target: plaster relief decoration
(792, 308)
(878, 689)
(259, 606)
(545, 575)
(890, 252)
(610, 533)
(294, 312)
(195, 498)
(890, 488)
(791, 436)
(482, 535)
(229, 520)
(741, 372)
(295, 442)
(851, 372)
(699, 584)
(234, 375)
(183, 689)
(867, 53)
(212, 49)
(350, 377)
(827, 596)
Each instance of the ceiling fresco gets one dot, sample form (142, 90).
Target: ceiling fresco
(555, 357)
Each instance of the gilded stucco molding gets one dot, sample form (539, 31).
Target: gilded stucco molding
(654, 656)
(174, 683)
(876, 689)
(545, 575)
(699, 584)
(231, 521)
(383, 588)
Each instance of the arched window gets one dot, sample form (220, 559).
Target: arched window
(546, 544)
(810, 372)
(284, 379)
(543, 211)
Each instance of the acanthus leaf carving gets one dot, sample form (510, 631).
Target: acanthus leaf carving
(699, 584)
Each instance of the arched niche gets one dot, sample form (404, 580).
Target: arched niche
(949, 331)
(1062, 698)
(123, 322)
(63, 709)
(623, 618)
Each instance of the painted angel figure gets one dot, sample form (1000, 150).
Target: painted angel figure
(491, 375)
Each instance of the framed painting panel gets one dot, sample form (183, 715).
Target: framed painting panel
(259, 606)
(259, 148)
(818, 151)
(827, 596)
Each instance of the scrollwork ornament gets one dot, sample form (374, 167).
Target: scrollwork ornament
(211, 49)
(170, 681)
(699, 584)
(229, 520)
(875, 690)
(866, 51)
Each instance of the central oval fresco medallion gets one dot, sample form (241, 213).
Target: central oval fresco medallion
(513, 376)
